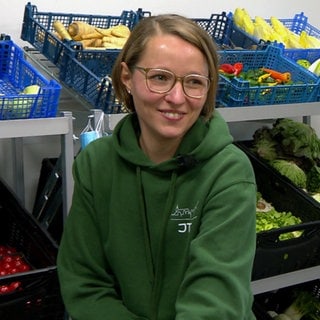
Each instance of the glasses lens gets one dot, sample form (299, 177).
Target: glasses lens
(195, 85)
(159, 80)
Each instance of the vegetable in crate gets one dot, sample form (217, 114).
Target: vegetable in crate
(274, 31)
(268, 218)
(305, 305)
(22, 105)
(297, 139)
(11, 262)
(93, 37)
(304, 63)
(292, 171)
(294, 142)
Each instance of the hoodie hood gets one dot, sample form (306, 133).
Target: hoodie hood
(202, 141)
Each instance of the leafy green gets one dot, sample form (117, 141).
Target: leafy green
(268, 218)
(295, 142)
(264, 145)
(274, 220)
(292, 171)
(313, 179)
(296, 138)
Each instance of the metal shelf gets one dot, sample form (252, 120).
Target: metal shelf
(239, 114)
(21, 128)
(285, 280)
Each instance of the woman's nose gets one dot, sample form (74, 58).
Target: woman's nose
(176, 94)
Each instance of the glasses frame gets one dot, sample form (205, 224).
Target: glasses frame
(176, 78)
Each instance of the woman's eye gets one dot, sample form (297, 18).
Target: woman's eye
(195, 82)
(159, 77)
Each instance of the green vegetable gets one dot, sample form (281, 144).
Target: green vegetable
(296, 138)
(264, 145)
(304, 304)
(292, 171)
(295, 142)
(268, 218)
(304, 63)
(273, 219)
(313, 179)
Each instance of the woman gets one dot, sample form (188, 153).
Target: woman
(162, 224)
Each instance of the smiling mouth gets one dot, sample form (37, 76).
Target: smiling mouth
(172, 115)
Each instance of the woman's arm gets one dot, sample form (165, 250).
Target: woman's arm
(217, 281)
(88, 286)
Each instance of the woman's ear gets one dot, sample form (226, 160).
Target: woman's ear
(126, 76)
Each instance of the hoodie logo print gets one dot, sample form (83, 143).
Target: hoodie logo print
(186, 215)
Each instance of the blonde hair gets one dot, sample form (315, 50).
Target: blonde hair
(176, 25)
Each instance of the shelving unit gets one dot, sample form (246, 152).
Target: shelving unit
(231, 115)
(21, 128)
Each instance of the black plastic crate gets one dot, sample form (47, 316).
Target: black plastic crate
(47, 208)
(278, 300)
(274, 256)
(38, 296)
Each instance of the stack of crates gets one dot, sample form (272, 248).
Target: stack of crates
(88, 71)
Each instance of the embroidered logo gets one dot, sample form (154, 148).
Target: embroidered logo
(185, 215)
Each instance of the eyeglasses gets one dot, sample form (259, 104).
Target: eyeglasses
(162, 81)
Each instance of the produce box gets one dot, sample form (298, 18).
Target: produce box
(297, 24)
(37, 294)
(38, 30)
(97, 90)
(16, 73)
(237, 92)
(274, 255)
(303, 299)
(218, 25)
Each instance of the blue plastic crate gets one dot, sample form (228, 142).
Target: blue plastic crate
(297, 24)
(237, 92)
(38, 30)
(218, 26)
(95, 89)
(15, 74)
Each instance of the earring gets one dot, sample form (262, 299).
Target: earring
(129, 91)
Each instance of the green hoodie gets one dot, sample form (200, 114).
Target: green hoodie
(168, 241)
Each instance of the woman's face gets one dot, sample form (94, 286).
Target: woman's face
(168, 115)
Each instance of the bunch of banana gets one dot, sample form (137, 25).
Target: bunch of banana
(93, 37)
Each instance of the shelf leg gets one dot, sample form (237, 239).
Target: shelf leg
(67, 152)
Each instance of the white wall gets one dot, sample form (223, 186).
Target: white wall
(11, 17)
